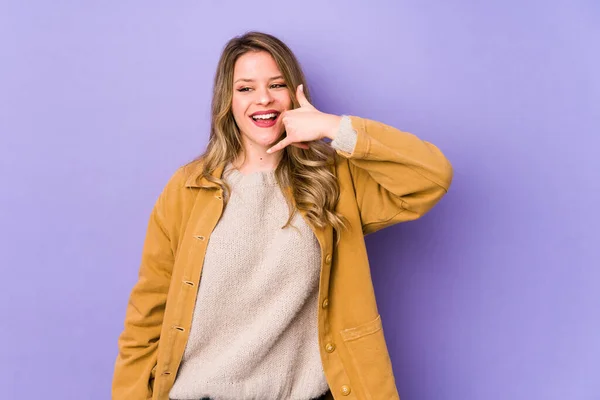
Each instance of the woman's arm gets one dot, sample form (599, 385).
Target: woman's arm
(397, 176)
(138, 343)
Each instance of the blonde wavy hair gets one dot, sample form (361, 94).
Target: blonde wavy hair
(307, 173)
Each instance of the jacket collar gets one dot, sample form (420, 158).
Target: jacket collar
(196, 180)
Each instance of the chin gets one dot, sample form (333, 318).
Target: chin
(267, 138)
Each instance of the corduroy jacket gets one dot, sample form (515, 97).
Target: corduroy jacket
(390, 177)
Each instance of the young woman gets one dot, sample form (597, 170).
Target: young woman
(254, 281)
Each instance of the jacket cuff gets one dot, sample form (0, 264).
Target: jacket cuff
(345, 139)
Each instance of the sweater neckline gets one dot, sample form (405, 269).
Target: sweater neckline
(257, 178)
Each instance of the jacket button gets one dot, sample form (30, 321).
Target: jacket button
(345, 390)
(329, 347)
(328, 259)
(199, 237)
(218, 197)
(325, 303)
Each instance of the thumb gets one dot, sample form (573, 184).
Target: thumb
(301, 97)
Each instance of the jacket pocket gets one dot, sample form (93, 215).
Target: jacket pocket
(369, 354)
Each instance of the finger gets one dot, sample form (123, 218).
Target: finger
(282, 144)
(301, 97)
(302, 145)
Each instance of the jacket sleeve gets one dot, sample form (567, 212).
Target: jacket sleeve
(397, 177)
(135, 365)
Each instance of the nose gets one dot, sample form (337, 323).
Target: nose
(264, 97)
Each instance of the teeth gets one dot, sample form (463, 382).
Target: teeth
(265, 116)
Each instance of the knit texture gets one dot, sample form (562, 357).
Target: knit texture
(254, 329)
(346, 137)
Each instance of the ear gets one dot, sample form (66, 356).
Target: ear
(301, 97)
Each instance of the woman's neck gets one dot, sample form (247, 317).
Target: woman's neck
(249, 161)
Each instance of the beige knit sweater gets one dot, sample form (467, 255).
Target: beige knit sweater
(254, 328)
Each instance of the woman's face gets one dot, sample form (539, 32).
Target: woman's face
(260, 95)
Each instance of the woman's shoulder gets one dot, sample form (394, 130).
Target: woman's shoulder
(176, 199)
(185, 176)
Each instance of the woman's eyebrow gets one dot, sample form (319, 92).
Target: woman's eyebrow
(252, 80)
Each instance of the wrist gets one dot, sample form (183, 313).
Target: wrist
(332, 126)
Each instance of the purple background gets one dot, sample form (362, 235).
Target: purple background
(494, 295)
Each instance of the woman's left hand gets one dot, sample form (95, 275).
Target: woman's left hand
(305, 124)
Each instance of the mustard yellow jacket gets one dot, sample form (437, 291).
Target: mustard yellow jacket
(390, 177)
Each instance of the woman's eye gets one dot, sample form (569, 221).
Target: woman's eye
(273, 86)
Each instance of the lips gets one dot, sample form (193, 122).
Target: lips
(265, 119)
(265, 115)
